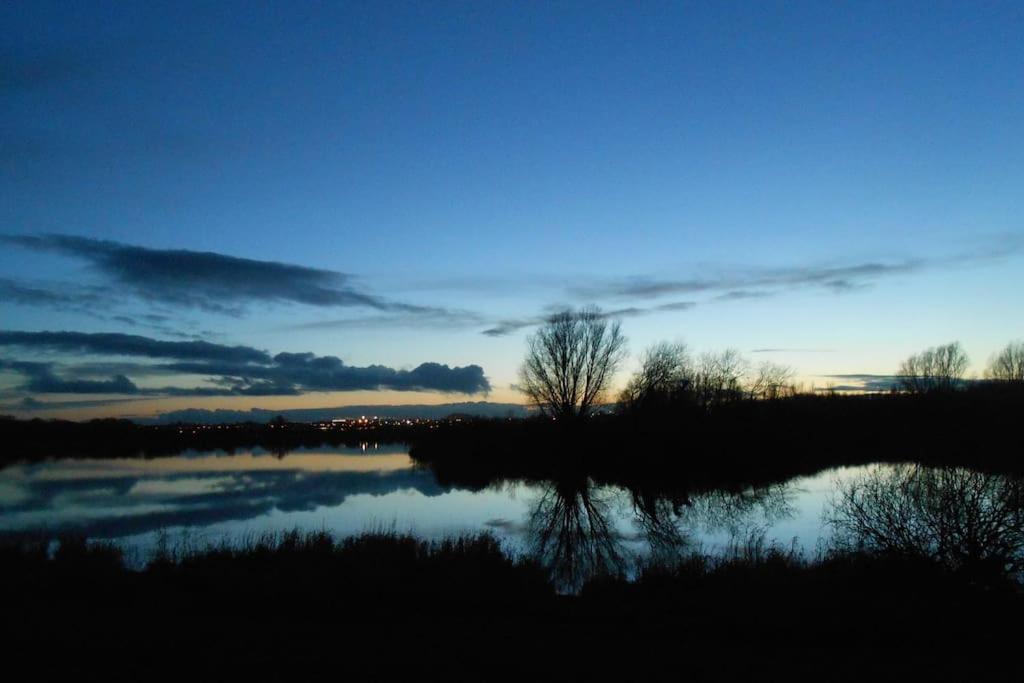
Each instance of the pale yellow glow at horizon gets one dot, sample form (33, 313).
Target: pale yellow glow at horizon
(144, 408)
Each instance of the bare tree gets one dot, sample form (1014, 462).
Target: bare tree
(719, 377)
(1008, 364)
(959, 517)
(939, 368)
(570, 362)
(665, 369)
(772, 381)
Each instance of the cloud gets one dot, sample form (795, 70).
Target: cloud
(752, 282)
(864, 382)
(743, 295)
(329, 373)
(82, 299)
(35, 295)
(41, 379)
(117, 344)
(31, 404)
(210, 281)
(740, 284)
(429, 317)
(506, 327)
(230, 370)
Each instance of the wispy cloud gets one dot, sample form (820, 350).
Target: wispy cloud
(863, 382)
(791, 350)
(208, 280)
(438, 318)
(67, 298)
(756, 282)
(116, 344)
(508, 326)
(721, 285)
(31, 404)
(743, 295)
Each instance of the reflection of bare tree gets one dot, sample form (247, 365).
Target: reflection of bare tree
(739, 512)
(572, 530)
(669, 524)
(572, 534)
(961, 518)
(657, 518)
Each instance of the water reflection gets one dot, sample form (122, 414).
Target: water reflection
(579, 530)
(576, 531)
(966, 520)
(115, 498)
(572, 534)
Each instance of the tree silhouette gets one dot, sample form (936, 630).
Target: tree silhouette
(719, 377)
(1008, 364)
(772, 381)
(570, 362)
(666, 369)
(940, 368)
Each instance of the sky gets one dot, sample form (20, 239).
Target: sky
(283, 205)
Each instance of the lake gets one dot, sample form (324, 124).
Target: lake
(196, 499)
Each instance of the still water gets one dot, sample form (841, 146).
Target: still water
(196, 499)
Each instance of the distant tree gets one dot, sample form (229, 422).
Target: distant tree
(719, 377)
(665, 370)
(570, 362)
(1008, 364)
(771, 381)
(940, 368)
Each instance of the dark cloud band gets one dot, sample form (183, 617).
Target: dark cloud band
(116, 344)
(230, 370)
(205, 280)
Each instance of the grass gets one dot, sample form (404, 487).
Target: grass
(384, 605)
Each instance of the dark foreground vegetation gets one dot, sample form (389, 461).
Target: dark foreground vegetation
(678, 446)
(924, 581)
(383, 607)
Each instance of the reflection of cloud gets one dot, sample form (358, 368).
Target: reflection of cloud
(118, 505)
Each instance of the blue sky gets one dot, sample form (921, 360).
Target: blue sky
(841, 181)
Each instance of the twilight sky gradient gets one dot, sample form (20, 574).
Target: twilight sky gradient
(295, 205)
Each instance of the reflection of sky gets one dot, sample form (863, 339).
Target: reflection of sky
(201, 499)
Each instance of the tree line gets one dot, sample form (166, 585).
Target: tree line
(572, 358)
